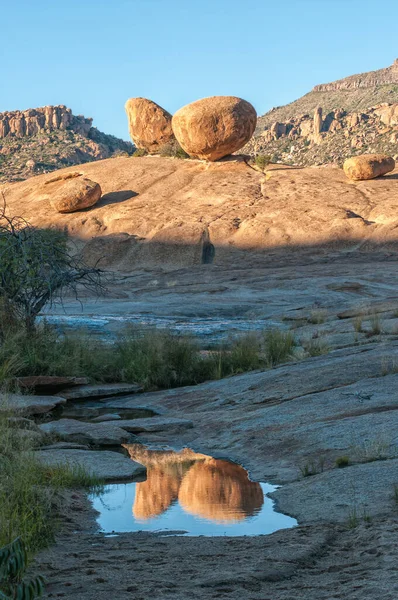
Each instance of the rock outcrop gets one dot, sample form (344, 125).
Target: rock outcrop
(149, 124)
(319, 138)
(214, 127)
(41, 140)
(179, 211)
(357, 111)
(21, 123)
(71, 192)
(364, 80)
(368, 166)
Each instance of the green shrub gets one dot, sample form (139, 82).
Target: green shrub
(342, 461)
(173, 150)
(13, 563)
(139, 152)
(262, 161)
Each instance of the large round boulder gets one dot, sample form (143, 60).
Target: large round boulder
(149, 124)
(214, 127)
(71, 192)
(368, 166)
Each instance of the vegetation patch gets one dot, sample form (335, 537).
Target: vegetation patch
(29, 489)
(153, 358)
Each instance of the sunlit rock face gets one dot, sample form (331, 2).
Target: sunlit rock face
(220, 491)
(211, 489)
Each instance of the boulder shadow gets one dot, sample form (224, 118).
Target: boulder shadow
(115, 197)
(389, 176)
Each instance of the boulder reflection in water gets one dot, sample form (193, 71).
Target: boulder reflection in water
(220, 491)
(216, 490)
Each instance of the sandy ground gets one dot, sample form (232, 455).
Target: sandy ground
(315, 562)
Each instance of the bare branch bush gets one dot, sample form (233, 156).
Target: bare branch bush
(36, 268)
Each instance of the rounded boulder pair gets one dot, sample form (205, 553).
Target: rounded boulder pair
(207, 129)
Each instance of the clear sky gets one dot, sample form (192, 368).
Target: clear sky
(94, 54)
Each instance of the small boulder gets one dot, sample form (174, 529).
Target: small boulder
(149, 124)
(71, 193)
(368, 166)
(214, 127)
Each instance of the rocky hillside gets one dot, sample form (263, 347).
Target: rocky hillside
(162, 212)
(335, 120)
(45, 139)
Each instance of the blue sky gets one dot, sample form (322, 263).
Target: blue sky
(93, 54)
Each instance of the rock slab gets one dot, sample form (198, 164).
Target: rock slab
(106, 390)
(106, 465)
(29, 405)
(49, 383)
(214, 127)
(153, 424)
(97, 434)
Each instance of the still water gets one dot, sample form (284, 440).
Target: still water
(190, 493)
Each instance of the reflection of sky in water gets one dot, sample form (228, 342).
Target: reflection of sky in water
(192, 493)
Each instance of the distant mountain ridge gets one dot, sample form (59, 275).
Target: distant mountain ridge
(353, 93)
(39, 140)
(364, 80)
(335, 120)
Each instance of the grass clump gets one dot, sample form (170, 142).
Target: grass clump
(375, 324)
(371, 450)
(153, 358)
(342, 462)
(318, 316)
(313, 467)
(389, 366)
(278, 346)
(353, 519)
(358, 324)
(29, 489)
(316, 346)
